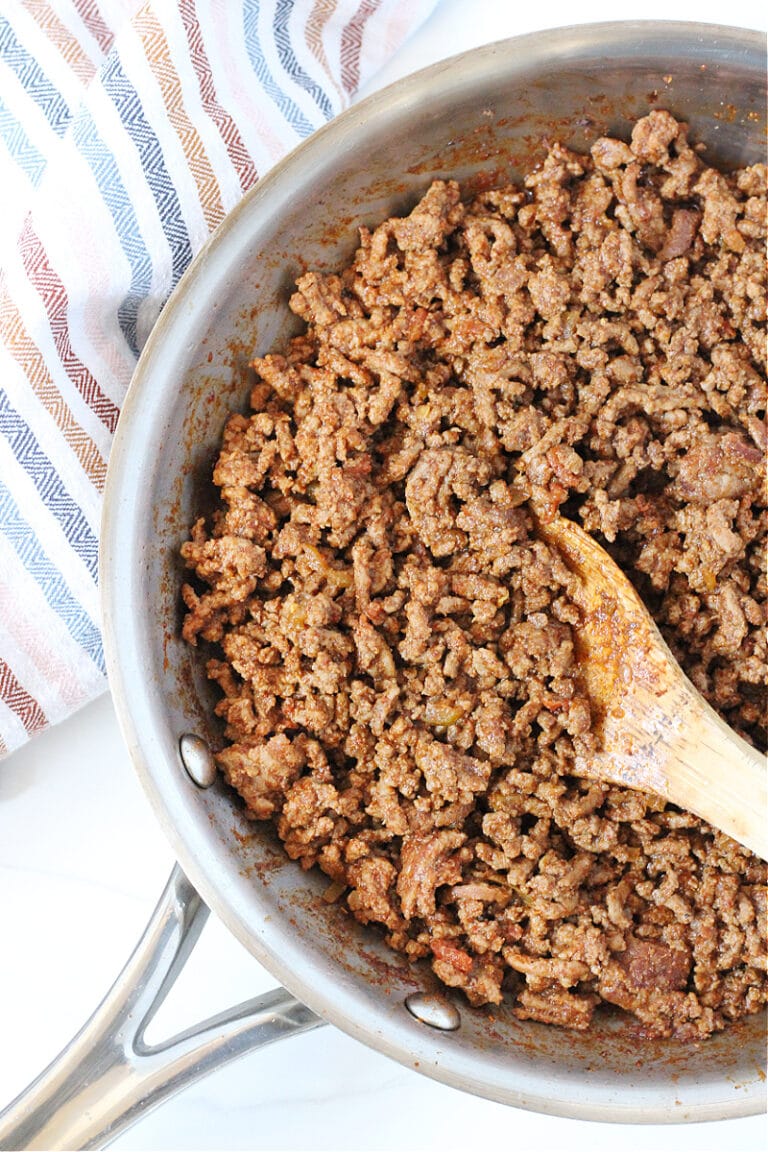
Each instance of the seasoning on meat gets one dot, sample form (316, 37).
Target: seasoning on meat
(395, 645)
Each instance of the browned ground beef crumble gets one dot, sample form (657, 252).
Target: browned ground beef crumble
(399, 685)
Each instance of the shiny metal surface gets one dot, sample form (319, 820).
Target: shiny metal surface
(434, 1010)
(197, 757)
(108, 1075)
(490, 110)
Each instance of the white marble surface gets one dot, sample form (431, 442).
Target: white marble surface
(82, 863)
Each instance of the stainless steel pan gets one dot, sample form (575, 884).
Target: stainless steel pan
(488, 111)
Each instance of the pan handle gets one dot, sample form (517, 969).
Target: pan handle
(108, 1075)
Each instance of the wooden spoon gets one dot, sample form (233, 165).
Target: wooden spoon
(655, 731)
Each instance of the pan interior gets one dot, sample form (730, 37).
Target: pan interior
(489, 111)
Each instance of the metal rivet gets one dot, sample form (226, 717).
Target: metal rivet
(198, 759)
(434, 1010)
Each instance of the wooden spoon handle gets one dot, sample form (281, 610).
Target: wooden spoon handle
(717, 775)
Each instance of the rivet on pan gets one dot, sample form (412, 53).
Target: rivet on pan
(434, 1010)
(198, 759)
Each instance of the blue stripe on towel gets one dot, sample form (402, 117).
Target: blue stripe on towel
(101, 161)
(291, 112)
(290, 63)
(49, 486)
(50, 581)
(34, 81)
(130, 109)
(19, 146)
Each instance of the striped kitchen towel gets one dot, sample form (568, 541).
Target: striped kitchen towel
(127, 131)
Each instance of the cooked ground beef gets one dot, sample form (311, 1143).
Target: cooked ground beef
(396, 645)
